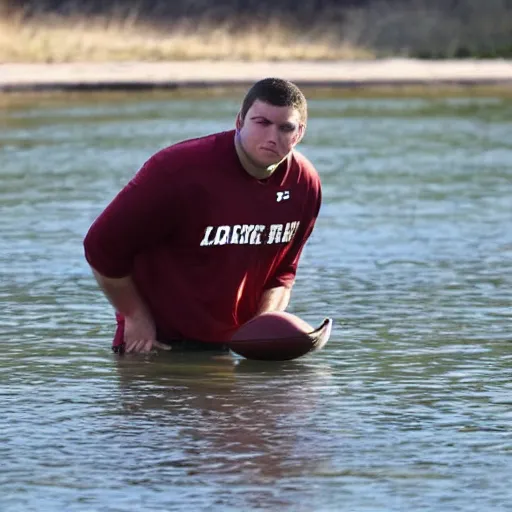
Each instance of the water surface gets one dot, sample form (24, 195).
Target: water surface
(407, 408)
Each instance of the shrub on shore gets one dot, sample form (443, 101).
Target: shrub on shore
(417, 28)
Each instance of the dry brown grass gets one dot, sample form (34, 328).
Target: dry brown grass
(100, 40)
(428, 28)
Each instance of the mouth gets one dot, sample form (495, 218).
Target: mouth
(270, 150)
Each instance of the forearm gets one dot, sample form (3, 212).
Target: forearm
(122, 293)
(274, 299)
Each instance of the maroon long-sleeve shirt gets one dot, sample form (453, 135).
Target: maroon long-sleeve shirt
(203, 239)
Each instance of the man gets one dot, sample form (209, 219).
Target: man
(209, 232)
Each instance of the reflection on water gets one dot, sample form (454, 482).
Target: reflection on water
(407, 408)
(229, 417)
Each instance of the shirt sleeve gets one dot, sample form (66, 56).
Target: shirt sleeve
(287, 268)
(143, 214)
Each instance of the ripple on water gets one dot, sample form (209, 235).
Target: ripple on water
(407, 407)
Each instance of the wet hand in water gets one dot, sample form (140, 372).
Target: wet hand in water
(140, 335)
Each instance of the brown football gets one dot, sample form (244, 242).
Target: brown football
(278, 336)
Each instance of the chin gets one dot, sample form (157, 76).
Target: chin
(269, 163)
(262, 158)
(267, 160)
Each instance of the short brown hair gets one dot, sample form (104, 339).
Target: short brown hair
(277, 92)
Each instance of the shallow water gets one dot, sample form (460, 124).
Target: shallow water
(407, 408)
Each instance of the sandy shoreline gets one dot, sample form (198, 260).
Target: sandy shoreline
(145, 75)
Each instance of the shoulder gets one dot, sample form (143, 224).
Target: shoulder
(306, 170)
(197, 150)
(184, 162)
(177, 167)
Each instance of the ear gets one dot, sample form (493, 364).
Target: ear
(300, 134)
(239, 121)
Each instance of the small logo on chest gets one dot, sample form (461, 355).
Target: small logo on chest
(283, 196)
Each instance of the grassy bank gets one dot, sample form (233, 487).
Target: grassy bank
(53, 39)
(52, 99)
(418, 28)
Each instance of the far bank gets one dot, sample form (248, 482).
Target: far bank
(360, 74)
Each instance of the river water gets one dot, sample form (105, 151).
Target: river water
(408, 407)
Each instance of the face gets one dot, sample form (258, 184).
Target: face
(268, 133)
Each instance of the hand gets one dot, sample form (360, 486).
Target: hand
(140, 334)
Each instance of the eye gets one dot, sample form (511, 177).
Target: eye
(287, 128)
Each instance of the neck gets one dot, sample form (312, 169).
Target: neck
(250, 166)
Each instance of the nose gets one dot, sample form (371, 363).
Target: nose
(273, 134)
